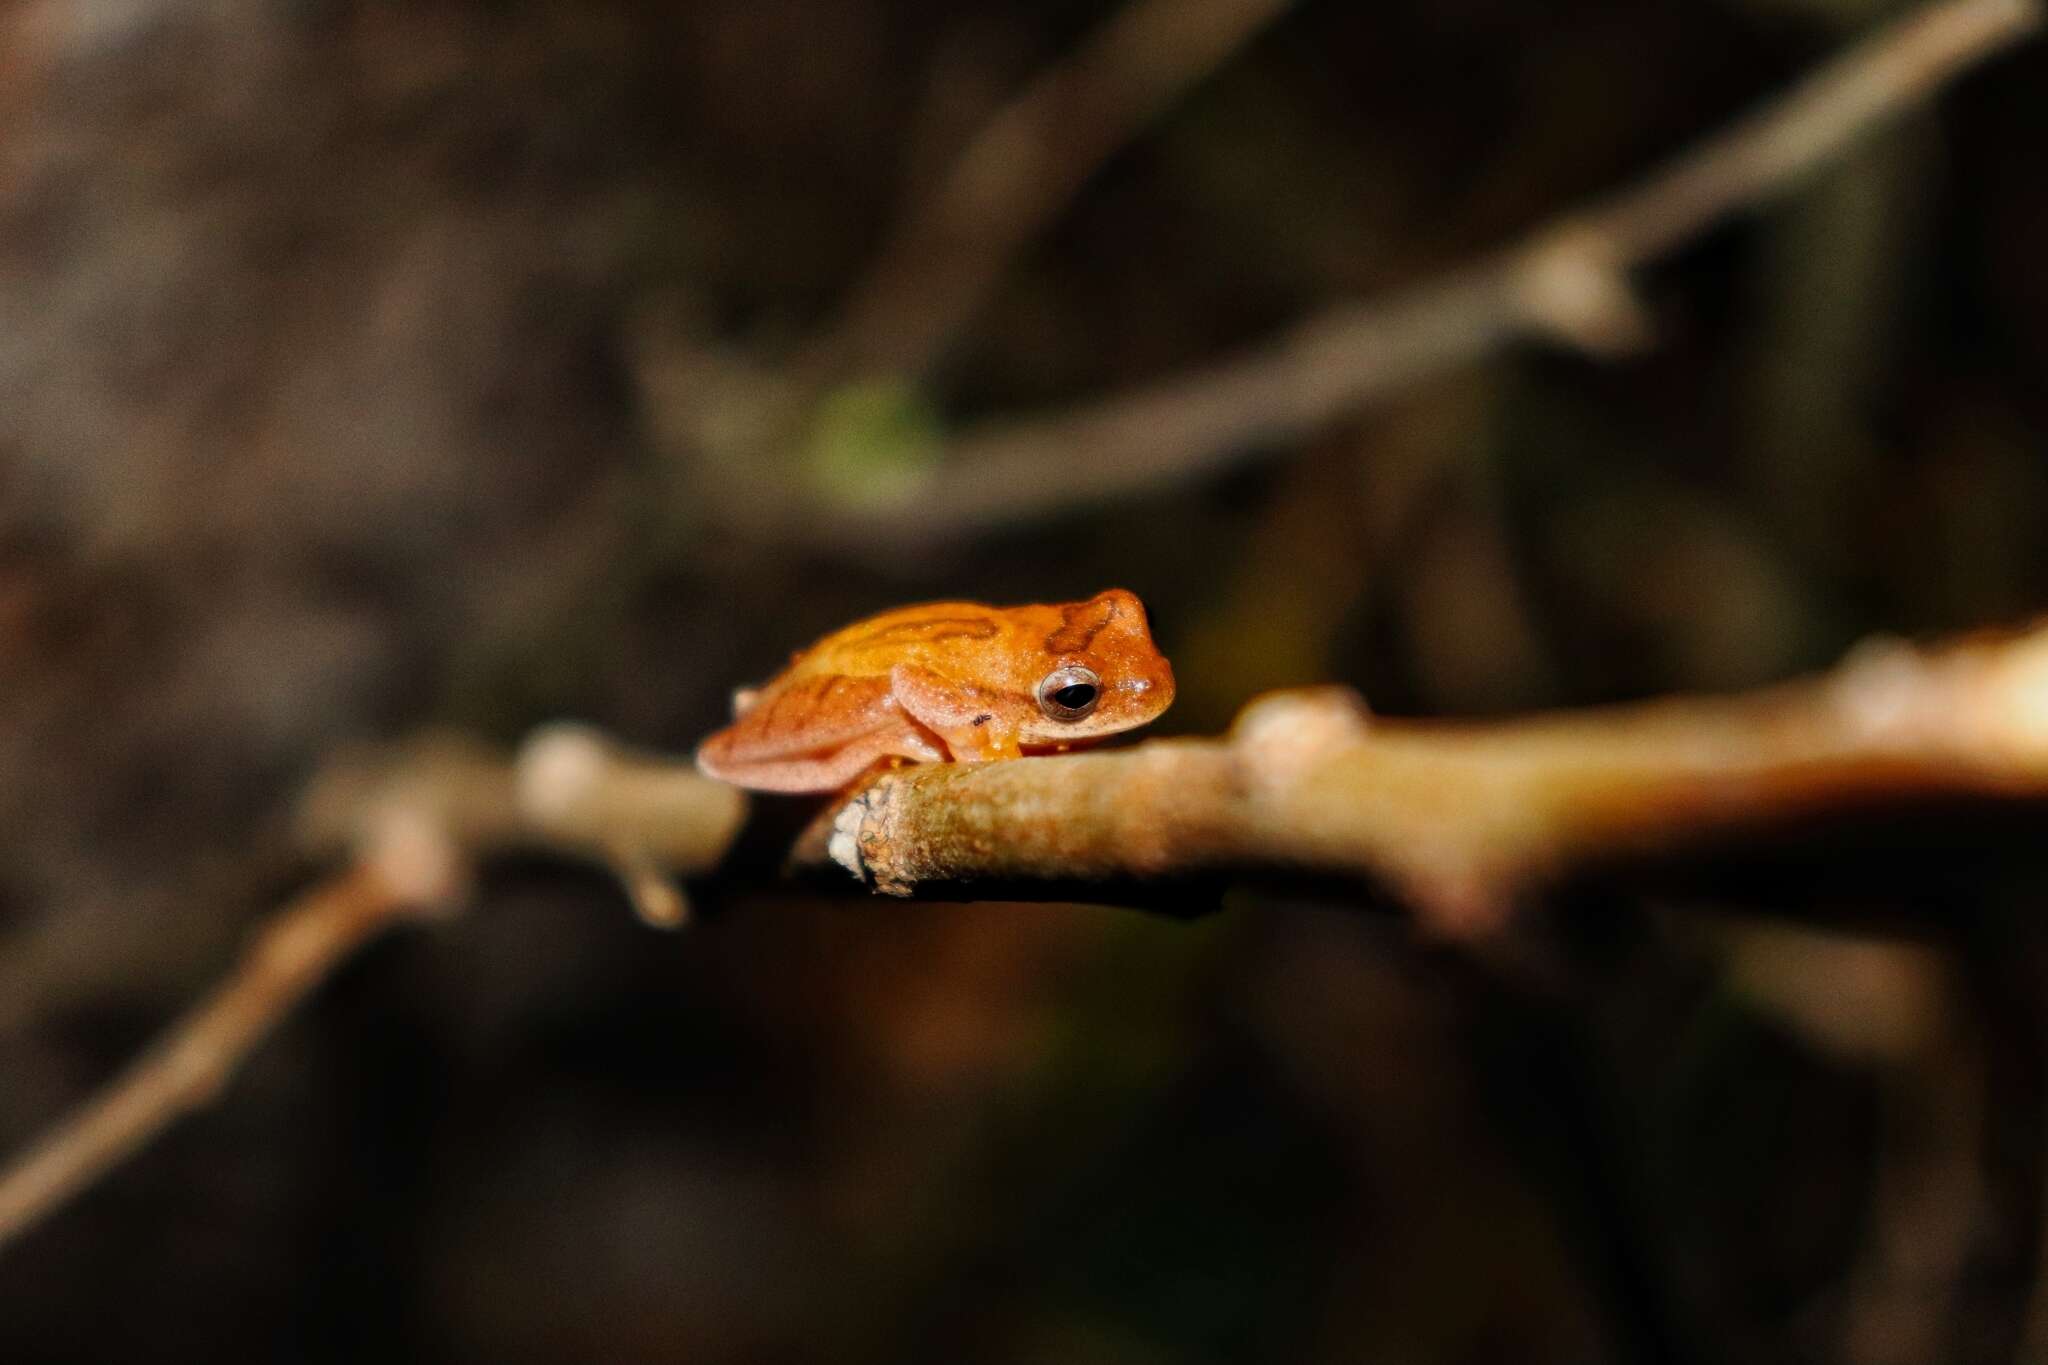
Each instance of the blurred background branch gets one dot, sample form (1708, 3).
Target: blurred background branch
(1017, 173)
(192, 1062)
(418, 820)
(1567, 282)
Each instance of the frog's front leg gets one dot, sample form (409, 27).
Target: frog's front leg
(972, 720)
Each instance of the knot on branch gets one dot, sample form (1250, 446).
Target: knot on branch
(1572, 284)
(1984, 701)
(1280, 736)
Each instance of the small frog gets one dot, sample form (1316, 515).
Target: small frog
(942, 681)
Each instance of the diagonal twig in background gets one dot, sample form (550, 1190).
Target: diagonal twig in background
(1566, 280)
(1019, 173)
(416, 822)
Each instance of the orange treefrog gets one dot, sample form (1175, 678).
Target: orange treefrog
(943, 681)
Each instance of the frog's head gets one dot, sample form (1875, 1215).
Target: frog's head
(1103, 673)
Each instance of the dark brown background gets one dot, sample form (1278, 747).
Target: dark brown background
(329, 408)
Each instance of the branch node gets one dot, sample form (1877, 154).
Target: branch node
(558, 768)
(1877, 687)
(1572, 284)
(577, 788)
(412, 851)
(1280, 736)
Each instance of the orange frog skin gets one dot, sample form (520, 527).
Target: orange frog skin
(942, 681)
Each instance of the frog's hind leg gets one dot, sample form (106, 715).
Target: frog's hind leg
(814, 735)
(805, 718)
(828, 770)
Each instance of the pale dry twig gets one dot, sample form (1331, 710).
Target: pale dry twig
(414, 821)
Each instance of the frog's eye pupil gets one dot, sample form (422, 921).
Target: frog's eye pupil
(1070, 693)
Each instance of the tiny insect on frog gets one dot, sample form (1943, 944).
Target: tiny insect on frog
(945, 681)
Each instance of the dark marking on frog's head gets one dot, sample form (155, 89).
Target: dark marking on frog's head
(1103, 674)
(1081, 622)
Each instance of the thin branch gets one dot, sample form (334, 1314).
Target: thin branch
(1566, 280)
(416, 819)
(189, 1065)
(1757, 158)
(1459, 817)
(1020, 172)
(643, 816)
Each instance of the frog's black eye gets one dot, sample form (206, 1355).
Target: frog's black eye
(1068, 694)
